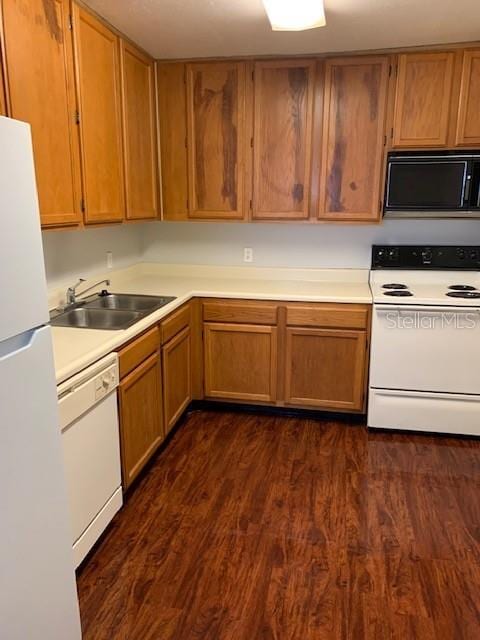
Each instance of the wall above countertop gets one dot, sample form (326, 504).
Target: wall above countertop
(294, 245)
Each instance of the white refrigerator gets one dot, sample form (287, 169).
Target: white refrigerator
(38, 597)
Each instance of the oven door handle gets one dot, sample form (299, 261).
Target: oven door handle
(383, 309)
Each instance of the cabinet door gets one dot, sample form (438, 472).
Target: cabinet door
(177, 383)
(3, 96)
(140, 134)
(282, 143)
(240, 362)
(353, 137)
(325, 368)
(422, 101)
(468, 125)
(41, 84)
(140, 417)
(172, 118)
(98, 68)
(216, 135)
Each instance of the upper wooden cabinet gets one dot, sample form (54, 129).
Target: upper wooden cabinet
(353, 138)
(423, 99)
(216, 139)
(468, 124)
(172, 118)
(3, 97)
(39, 58)
(99, 87)
(282, 143)
(140, 134)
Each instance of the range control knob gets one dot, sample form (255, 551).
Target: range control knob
(461, 254)
(427, 255)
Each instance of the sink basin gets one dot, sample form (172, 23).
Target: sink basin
(127, 302)
(110, 311)
(85, 318)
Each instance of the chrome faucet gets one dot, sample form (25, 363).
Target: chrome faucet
(72, 291)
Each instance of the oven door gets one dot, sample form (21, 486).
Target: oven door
(435, 185)
(426, 348)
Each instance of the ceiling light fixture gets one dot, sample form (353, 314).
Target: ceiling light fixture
(295, 15)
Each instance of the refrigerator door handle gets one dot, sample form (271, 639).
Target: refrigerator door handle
(12, 346)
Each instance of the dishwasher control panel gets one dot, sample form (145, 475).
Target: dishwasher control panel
(106, 382)
(81, 393)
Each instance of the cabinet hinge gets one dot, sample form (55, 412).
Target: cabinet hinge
(70, 21)
(391, 133)
(186, 143)
(253, 75)
(82, 205)
(390, 69)
(77, 117)
(384, 140)
(251, 142)
(381, 205)
(251, 205)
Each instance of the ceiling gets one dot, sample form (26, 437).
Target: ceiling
(207, 28)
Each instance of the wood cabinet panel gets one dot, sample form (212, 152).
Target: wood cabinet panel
(41, 84)
(468, 124)
(216, 138)
(338, 316)
(138, 350)
(140, 417)
(282, 143)
(140, 134)
(325, 368)
(99, 86)
(242, 311)
(240, 362)
(353, 138)
(172, 118)
(176, 322)
(423, 97)
(3, 95)
(177, 377)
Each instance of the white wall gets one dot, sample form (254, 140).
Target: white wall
(72, 254)
(294, 245)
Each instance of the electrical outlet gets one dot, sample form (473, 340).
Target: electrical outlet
(248, 254)
(109, 260)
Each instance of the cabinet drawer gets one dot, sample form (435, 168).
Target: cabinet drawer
(137, 351)
(175, 323)
(242, 312)
(340, 316)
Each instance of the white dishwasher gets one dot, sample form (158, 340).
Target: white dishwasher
(90, 436)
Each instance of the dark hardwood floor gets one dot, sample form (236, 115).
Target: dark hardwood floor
(269, 528)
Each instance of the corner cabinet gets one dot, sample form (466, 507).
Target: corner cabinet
(282, 142)
(355, 103)
(97, 51)
(140, 134)
(41, 87)
(468, 124)
(216, 140)
(172, 118)
(423, 99)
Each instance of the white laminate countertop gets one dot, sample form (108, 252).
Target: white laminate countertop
(75, 349)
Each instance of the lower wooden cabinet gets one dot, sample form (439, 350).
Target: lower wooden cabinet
(325, 368)
(140, 402)
(240, 362)
(177, 377)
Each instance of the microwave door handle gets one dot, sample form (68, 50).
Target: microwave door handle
(467, 187)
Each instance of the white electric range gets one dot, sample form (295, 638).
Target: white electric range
(425, 351)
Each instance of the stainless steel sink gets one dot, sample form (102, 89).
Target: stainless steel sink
(84, 318)
(111, 311)
(127, 302)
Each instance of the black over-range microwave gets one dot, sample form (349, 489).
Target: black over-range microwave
(436, 185)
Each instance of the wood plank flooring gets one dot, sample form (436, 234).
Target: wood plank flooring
(269, 528)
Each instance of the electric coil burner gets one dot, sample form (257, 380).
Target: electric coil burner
(466, 295)
(461, 287)
(398, 293)
(391, 285)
